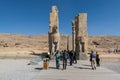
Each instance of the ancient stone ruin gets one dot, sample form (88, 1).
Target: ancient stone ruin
(79, 34)
(54, 36)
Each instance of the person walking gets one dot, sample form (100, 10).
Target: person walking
(97, 59)
(92, 60)
(71, 54)
(74, 57)
(57, 55)
(65, 56)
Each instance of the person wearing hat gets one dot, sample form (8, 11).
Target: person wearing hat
(97, 59)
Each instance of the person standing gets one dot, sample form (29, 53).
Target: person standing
(97, 59)
(75, 59)
(92, 60)
(65, 56)
(57, 55)
(71, 54)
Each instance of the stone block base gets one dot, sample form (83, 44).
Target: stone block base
(83, 56)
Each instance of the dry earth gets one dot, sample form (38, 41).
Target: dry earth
(22, 45)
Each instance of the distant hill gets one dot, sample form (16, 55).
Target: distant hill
(105, 44)
(13, 42)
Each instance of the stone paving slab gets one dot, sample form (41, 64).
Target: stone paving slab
(12, 69)
(19, 70)
(80, 71)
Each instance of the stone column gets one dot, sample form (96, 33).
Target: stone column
(81, 35)
(73, 35)
(68, 42)
(53, 34)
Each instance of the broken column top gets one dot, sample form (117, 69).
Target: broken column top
(54, 9)
(81, 16)
(84, 14)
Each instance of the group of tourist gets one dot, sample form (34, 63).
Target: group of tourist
(64, 56)
(71, 56)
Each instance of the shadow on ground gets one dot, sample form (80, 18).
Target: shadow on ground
(52, 67)
(83, 68)
(86, 65)
(38, 68)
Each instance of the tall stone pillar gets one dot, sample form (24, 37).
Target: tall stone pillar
(81, 35)
(53, 34)
(73, 35)
(68, 42)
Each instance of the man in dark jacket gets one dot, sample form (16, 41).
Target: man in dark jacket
(65, 56)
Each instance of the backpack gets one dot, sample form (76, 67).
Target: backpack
(57, 55)
(93, 55)
(65, 55)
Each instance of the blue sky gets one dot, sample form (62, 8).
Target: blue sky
(31, 17)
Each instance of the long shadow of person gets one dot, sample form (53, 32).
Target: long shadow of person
(52, 67)
(38, 68)
(83, 67)
(86, 65)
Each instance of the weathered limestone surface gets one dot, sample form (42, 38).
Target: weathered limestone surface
(73, 35)
(68, 47)
(54, 36)
(79, 33)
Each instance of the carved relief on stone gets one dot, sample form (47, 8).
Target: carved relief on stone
(79, 25)
(54, 36)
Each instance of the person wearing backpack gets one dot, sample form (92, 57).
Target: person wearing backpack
(57, 56)
(71, 55)
(92, 60)
(65, 56)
